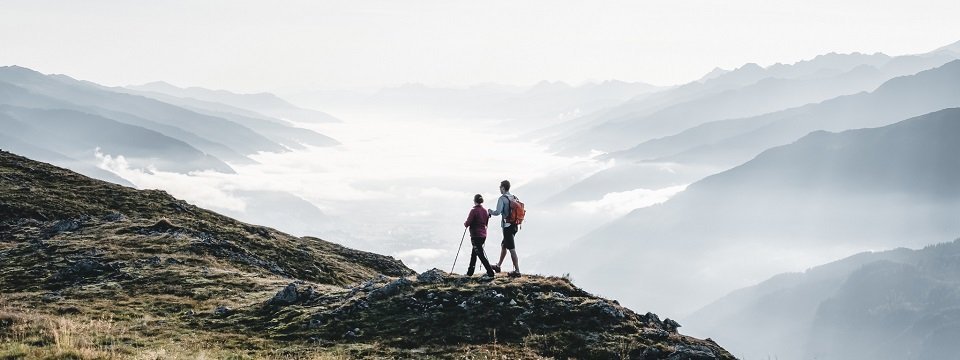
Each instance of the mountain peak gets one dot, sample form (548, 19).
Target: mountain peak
(954, 47)
(716, 72)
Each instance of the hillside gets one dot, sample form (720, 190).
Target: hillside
(93, 270)
(897, 304)
(823, 197)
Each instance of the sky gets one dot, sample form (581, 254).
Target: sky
(253, 46)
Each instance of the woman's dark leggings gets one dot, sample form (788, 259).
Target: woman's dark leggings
(478, 253)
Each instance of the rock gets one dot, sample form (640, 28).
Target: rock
(287, 296)
(692, 352)
(112, 217)
(61, 226)
(162, 226)
(393, 288)
(51, 297)
(652, 319)
(608, 310)
(432, 276)
(648, 353)
(86, 268)
(222, 311)
(173, 261)
(352, 334)
(655, 334)
(670, 325)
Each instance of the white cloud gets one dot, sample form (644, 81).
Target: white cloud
(418, 258)
(203, 189)
(621, 203)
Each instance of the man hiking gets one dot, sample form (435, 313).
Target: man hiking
(477, 221)
(509, 230)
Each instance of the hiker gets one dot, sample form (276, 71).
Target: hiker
(477, 221)
(509, 230)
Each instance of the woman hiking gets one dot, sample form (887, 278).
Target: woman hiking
(477, 221)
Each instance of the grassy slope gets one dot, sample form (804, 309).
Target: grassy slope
(92, 270)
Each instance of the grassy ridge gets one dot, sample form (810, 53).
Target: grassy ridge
(92, 270)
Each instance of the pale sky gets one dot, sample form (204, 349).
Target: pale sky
(303, 45)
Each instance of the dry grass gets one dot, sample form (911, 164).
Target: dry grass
(27, 334)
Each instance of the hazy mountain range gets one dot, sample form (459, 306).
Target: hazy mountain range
(70, 119)
(718, 145)
(262, 103)
(827, 193)
(747, 91)
(897, 304)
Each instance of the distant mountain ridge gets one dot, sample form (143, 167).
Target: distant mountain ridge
(816, 80)
(856, 189)
(264, 103)
(896, 304)
(719, 145)
(70, 119)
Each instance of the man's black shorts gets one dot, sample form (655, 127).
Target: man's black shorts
(509, 233)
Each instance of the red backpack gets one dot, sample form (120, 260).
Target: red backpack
(516, 213)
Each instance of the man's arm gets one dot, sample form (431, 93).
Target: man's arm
(501, 205)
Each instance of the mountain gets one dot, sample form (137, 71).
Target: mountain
(747, 91)
(715, 73)
(65, 121)
(899, 98)
(77, 135)
(262, 103)
(826, 195)
(90, 269)
(277, 130)
(138, 110)
(16, 145)
(719, 145)
(897, 304)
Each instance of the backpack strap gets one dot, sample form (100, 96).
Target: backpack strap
(506, 208)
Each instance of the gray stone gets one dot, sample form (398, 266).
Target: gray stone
(287, 296)
(222, 311)
(670, 325)
(432, 276)
(62, 226)
(392, 288)
(692, 352)
(113, 217)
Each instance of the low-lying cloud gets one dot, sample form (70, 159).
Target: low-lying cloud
(621, 203)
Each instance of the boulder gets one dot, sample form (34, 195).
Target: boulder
(432, 276)
(393, 288)
(287, 296)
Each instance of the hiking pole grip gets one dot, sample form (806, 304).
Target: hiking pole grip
(458, 250)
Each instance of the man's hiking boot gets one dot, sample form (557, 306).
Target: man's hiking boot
(486, 277)
(514, 274)
(495, 268)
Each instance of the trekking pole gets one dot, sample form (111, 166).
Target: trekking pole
(458, 250)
